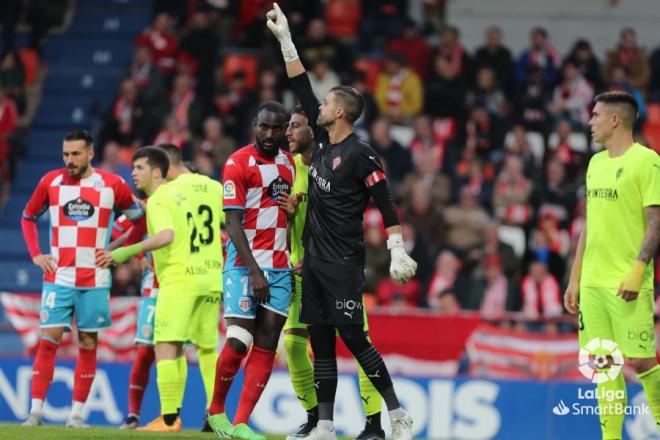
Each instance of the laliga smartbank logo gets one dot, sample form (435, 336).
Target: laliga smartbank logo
(596, 355)
(600, 361)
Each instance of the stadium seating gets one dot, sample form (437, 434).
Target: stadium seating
(651, 127)
(241, 62)
(30, 60)
(371, 68)
(20, 276)
(86, 64)
(343, 18)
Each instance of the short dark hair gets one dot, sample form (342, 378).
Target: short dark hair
(173, 153)
(351, 101)
(628, 107)
(191, 166)
(156, 158)
(453, 29)
(274, 107)
(540, 30)
(299, 110)
(79, 134)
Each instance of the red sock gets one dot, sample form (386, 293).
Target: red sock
(258, 367)
(84, 374)
(226, 367)
(139, 378)
(42, 370)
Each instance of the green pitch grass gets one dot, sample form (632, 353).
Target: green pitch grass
(52, 432)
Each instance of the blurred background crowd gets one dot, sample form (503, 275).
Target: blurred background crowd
(485, 150)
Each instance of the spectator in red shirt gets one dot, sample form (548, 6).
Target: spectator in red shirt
(414, 47)
(8, 124)
(163, 43)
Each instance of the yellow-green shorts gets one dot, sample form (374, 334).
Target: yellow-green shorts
(605, 315)
(181, 318)
(293, 320)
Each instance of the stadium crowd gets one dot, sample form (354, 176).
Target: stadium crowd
(486, 150)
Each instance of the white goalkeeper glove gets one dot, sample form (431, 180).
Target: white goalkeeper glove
(402, 267)
(279, 26)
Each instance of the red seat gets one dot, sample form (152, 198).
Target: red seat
(342, 18)
(237, 62)
(30, 60)
(652, 134)
(371, 69)
(653, 114)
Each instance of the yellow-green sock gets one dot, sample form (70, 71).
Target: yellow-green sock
(372, 402)
(207, 358)
(169, 383)
(612, 407)
(300, 370)
(182, 364)
(650, 380)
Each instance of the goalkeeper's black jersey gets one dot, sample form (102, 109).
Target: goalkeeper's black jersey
(339, 179)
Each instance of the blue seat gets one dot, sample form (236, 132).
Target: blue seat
(108, 21)
(30, 172)
(88, 82)
(13, 245)
(45, 145)
(90, 51)
(20, 276)
(136, 6)
(65, 112)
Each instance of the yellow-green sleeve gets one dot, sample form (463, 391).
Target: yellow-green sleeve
(159, 212)
(650, 181)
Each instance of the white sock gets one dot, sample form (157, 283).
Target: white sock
(37, 405)
(327, 425)
(76, 409)
(397, 414)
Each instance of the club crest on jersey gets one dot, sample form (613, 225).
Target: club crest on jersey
(98, 185)
(44, 316)
(230, 190)
(619, 173)
(278, 186)
(244, 303)
(336, 162)
(146, 331)
(78, 209)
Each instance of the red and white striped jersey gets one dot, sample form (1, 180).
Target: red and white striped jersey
(149, 285)
(81, 213)
(252, 182)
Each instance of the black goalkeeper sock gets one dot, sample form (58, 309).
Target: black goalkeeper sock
(373, 423)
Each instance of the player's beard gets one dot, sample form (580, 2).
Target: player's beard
(322, 122)
(80, 170)
(273, 148)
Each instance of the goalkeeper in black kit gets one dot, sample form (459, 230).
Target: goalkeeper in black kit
(343, 174)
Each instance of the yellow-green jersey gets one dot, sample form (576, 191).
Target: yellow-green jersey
(205, 197)
(167, 208)
(618, 190)
(298, 224)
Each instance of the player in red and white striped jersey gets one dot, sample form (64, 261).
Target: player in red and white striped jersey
(81, 201)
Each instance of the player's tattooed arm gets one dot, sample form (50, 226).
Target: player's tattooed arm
(652, 235)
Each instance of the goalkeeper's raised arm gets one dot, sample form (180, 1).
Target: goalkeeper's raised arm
(279, 26)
